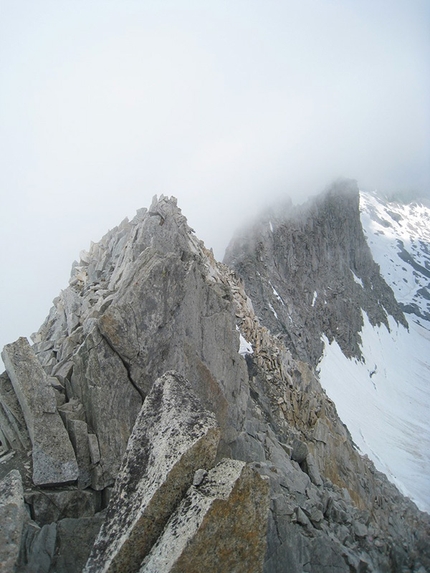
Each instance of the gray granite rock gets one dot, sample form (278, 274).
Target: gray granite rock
(219, 526)
(54, 460)
(38, 548)
(101, 382)
(61, 547)
(172, 438)
(93, 446)
(78, 432)
(75, 538)
(312, 470)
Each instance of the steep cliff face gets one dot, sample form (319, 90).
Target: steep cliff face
(309, 272)
(385, 402)
(150, 299)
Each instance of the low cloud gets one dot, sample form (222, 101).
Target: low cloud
(227, 107)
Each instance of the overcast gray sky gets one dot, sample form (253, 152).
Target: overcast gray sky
(224, 104)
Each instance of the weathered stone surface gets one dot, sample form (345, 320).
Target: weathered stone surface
(93, 445)
(63, 371)
(321, 431)
(61, 547)
(72, 410)
(219, 526)
(101, 382)
(13, 517)
(78, 432)
(54, 460)
(168, 308)
(75, 538)
(172, 438)
(300, 451)
(312, 470)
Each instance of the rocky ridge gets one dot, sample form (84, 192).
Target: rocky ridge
(309, 272)
(148, 299)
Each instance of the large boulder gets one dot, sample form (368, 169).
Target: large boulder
(219, 526)
(54, 460)
(173, 436)
(100, 381)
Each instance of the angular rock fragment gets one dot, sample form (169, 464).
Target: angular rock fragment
(38, 548)
(219, 526)
(61, 547)
(312, 470)
(54, 460)
(93, 446)
(12, 421)
(13, 517)
(173, 437)
(78, 432)
(72, 410)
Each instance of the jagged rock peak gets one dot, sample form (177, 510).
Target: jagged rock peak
(309, 272)
(150, 299)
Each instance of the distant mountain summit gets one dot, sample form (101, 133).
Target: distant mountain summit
(309, 272)
(169, 416)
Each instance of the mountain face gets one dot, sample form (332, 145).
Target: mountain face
(309, 272)
(313, 279)
(169, 417)
(399, 238)
(390, 387)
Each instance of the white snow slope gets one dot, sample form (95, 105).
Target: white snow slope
(385, 400)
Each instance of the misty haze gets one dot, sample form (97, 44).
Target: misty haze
(226, 107)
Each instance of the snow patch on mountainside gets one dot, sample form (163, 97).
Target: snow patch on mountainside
(399, 238)
(385, 400)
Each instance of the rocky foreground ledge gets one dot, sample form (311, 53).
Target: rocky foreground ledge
(155, 425)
